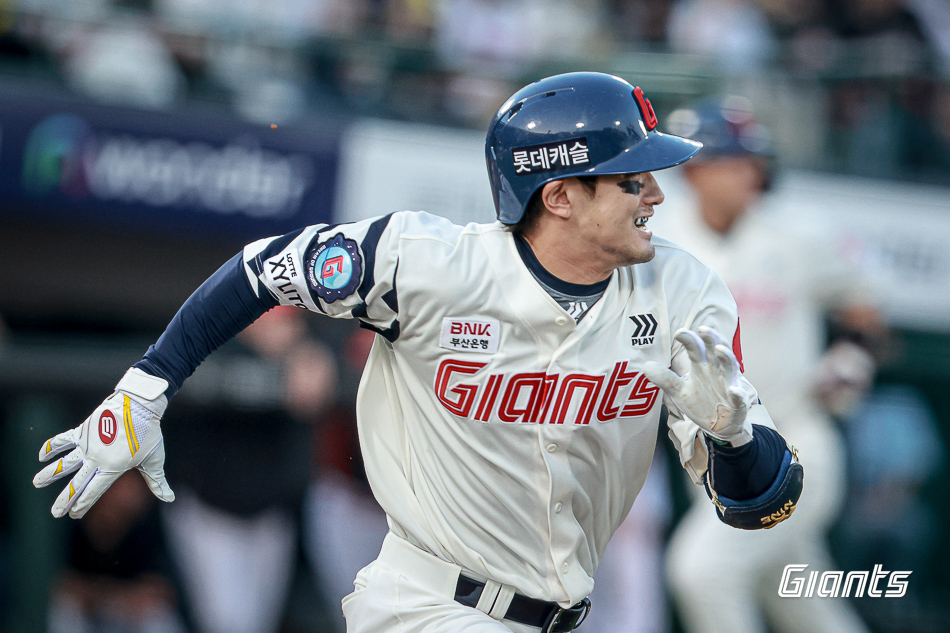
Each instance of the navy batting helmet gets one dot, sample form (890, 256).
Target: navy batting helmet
(725, 126)
(576, 124)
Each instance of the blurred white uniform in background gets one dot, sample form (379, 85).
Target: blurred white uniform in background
(786, 280)
(784, 286)
(629, 594)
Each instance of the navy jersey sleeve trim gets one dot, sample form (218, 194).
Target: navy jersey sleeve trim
(275, 246)
(217, 311)
(390, 334)
(391, 297)
(391, 300)
(368, 246)
(745, 472)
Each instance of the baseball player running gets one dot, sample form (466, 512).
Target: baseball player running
(785, 284)
(508, 410)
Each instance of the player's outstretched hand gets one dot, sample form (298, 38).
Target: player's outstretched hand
(713, 393)
(122, 433)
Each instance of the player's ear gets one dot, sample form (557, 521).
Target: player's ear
(556, 197)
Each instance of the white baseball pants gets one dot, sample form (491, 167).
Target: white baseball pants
(236, 570)
(407, 590)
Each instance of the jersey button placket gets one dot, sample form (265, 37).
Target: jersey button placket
(564, 537)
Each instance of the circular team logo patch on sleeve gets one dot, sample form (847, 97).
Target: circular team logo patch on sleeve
(107, 427)
(334, 268)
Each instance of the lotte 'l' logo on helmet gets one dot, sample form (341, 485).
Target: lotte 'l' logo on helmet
(646, 108)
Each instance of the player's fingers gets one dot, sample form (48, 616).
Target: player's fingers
(711, 339)
(710, 336)
(737, 399)
(70, 493)
(60, 468)
(94, 488)
(664, 378)
(727, 364)
(58, 444)
(153, 470)
(695, 348)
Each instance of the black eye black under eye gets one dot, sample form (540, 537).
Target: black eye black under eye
(631, 186)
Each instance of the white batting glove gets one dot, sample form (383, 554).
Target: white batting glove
(713, 393)
(121, 434)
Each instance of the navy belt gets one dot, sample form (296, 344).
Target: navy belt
(547, 616)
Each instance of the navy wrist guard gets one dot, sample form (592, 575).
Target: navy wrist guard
(771, 507)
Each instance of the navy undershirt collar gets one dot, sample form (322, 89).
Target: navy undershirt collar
(564, 287)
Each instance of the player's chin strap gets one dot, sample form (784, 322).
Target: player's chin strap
(772, 506)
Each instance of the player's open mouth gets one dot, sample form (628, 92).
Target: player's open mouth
(641, 223)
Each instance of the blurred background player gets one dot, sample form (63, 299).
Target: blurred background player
(628, 585)
(245, 432)
(116, 576)
(788, 284)
(344, 525)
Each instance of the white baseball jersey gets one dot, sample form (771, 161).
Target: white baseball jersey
(498, 434)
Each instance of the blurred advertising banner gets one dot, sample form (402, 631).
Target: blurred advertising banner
(388, 166)
(172, 171)
(896, 233)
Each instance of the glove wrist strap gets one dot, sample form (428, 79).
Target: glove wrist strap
(137, 383)
(740, 438)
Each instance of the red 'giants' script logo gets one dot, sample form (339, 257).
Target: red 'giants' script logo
(536, 397)
(107, 427)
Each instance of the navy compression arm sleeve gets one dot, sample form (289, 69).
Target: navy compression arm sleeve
(220, 308)
(746, 471)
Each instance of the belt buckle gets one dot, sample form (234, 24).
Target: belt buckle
(563, 620)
